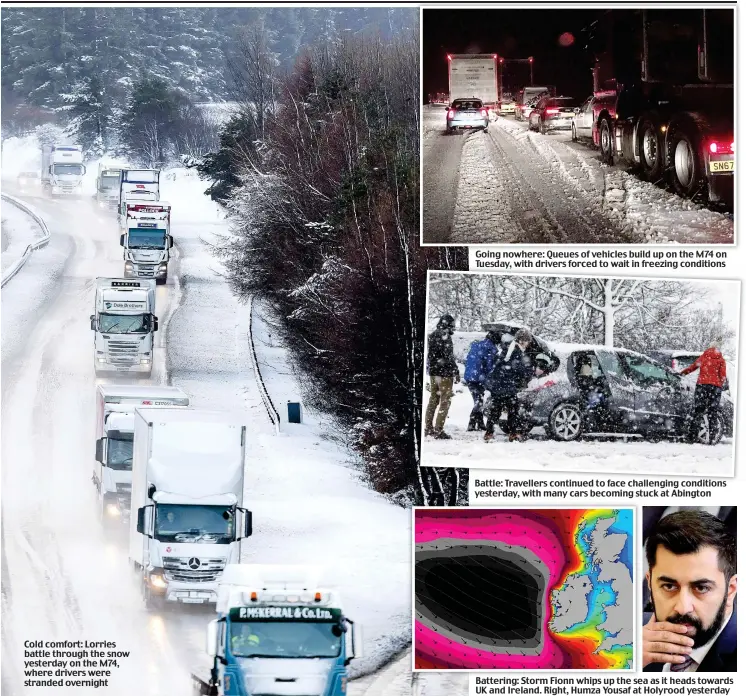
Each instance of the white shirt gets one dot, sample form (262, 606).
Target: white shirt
(699, 654)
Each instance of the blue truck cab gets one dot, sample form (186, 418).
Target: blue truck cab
(276, 637)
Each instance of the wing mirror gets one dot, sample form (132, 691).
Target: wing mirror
(155, 323)
(170, 241)
(121, 240)
(93, 322)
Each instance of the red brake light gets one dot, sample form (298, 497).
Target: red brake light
(451, 113)
(720, 148)
(553, 111)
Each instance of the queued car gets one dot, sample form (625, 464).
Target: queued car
(527, 98)
(507, 105)
(678, 360)
(583, 121)
(642, 397)
(467, 114)
(29, 179)
(552, 113)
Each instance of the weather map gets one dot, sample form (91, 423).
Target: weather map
(523, 588)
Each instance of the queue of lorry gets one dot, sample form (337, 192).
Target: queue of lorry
(170, 477)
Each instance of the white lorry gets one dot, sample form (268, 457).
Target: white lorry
(107, 186)
(124, 326)
(62, 170)
(137, 185)
(475, 76)
(187, 490)
(115, 431)
(279, 631)
(147, 240)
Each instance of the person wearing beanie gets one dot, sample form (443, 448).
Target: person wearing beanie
(443, 372)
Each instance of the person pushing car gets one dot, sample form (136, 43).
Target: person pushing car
(709, 389)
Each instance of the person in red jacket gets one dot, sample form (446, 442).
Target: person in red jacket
(707, 393)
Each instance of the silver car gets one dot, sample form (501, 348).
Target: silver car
(467, 113)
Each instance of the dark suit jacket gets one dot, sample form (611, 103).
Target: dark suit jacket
(721, 656)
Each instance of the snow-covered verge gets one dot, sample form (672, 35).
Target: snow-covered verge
(19, 230)
(308, 501)
(467, 449)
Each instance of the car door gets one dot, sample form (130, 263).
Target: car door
(658, 394)
(621, 387)
(584, 120)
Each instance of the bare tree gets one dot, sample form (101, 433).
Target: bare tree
(254, 74)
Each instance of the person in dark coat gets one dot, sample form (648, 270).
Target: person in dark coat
(693, 581)
(512, 372)
(443, 372)
(479, 364)
(594, 400)
(709, 389)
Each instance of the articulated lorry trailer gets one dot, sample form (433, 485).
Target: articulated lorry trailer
(115, 434)
(124, 326)
(137, 186)
(147, 240)
(62, 170)
(187, 519)
(475, 76)
(107, 186)
(664, 97)
(280, 632)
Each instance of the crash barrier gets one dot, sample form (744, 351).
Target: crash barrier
(18, 265)
(274, 416)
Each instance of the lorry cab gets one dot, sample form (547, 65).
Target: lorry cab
(62, 170)
(278, 637)
(146, 240)
(115, 429)
(107, 186)
(124, 325)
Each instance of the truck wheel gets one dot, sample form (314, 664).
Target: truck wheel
(565, 422)
(650, 143)
(687, 171)
(606, 138)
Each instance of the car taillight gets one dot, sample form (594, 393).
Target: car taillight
(553, 111)
(720, 148)
(451, 112)
(483, 112)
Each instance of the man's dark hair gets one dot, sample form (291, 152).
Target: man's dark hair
(687, 531)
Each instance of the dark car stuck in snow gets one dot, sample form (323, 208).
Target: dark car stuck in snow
(598, 391)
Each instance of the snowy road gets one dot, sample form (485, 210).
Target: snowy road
(517, 186)
(467, 449)
(18, 231)
(62, 579)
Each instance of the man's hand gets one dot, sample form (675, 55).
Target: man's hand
(663, 641)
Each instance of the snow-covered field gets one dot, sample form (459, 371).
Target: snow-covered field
(515, 185)
(539, 453)
(62, 578)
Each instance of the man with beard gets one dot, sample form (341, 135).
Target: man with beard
(692, 579)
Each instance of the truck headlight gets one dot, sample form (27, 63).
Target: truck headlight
(113, 510)
(102, 360)
(163, 267)
(145, 361)
(129, 266)
(158, 581)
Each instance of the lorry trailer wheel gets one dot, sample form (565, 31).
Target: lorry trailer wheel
(606, 141)
(651, 150)
(686, 164)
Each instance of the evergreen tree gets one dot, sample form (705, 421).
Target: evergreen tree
(222, 168)
(91, 116)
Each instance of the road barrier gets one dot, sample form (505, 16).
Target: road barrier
(18, 265)
(272, 413)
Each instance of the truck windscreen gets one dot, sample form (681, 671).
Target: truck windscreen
(109, 182)
(119, 452)
(124, 323)
(285, 639)
(209, 524)
(140, 238)
(63, 169)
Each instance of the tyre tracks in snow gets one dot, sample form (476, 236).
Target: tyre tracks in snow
(562, 208)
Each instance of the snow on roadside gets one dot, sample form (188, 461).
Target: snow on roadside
(467, 449)
(19, 230)
(308, 500)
